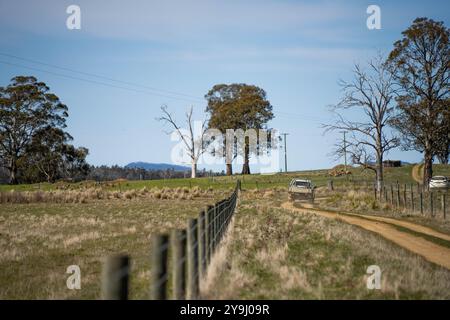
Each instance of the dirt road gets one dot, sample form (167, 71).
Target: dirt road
(431, 251)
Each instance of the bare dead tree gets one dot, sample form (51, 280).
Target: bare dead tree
(194, 145)
(371, 92)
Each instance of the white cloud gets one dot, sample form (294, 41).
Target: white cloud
(171, 20)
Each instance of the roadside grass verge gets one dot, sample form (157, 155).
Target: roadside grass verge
(363, 202)
(277, 254)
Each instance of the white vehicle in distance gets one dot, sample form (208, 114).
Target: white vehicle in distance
(301, 190)
(439, 182)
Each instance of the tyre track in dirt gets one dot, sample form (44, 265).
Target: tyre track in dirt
(432, 252)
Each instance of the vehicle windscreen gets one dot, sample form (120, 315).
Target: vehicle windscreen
(301, 184)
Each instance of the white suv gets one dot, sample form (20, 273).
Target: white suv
(439, 182)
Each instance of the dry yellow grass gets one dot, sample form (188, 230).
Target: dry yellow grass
(84, 195)
(274, 253)
(40, 240)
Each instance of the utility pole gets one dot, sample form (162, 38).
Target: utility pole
(285, 152)
(345, 152)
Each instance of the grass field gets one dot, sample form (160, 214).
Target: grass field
(39, 241)
(319, 177)
(274, 254)
(270, 253)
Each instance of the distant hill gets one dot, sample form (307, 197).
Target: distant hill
(156, 166)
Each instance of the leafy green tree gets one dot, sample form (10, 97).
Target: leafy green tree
(45, 155)
(443, 149)
(51, 157)
(420, 62)
(74, 165)
(238, 106)
(26, 108)
(33, 143)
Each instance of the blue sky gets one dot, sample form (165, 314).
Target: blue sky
(295, 50)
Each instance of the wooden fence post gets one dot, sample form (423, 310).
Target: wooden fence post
(192, 251)
(178, 242)
(201, 245)
(211, 231)
(115, 278)
(392, 195)
(444, 206)
(404, 196)
(158, 277)
(398, 195)
(412, 197)
(431, 204)
(214, 227)
(208, 234)
(421, 202)
(219, 220)
(330, 185)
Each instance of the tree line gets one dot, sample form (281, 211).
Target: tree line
(404, 98)
(111, 173)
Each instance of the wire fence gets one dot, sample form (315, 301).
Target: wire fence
(413, 198)
(190, 251)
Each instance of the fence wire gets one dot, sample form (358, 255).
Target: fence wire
(199, 241)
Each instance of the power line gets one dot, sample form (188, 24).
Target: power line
(93, 81)
(102, 77)
(154, 91)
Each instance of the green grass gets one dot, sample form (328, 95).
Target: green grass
(39, 241)
(319, 178)
(272, 253)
